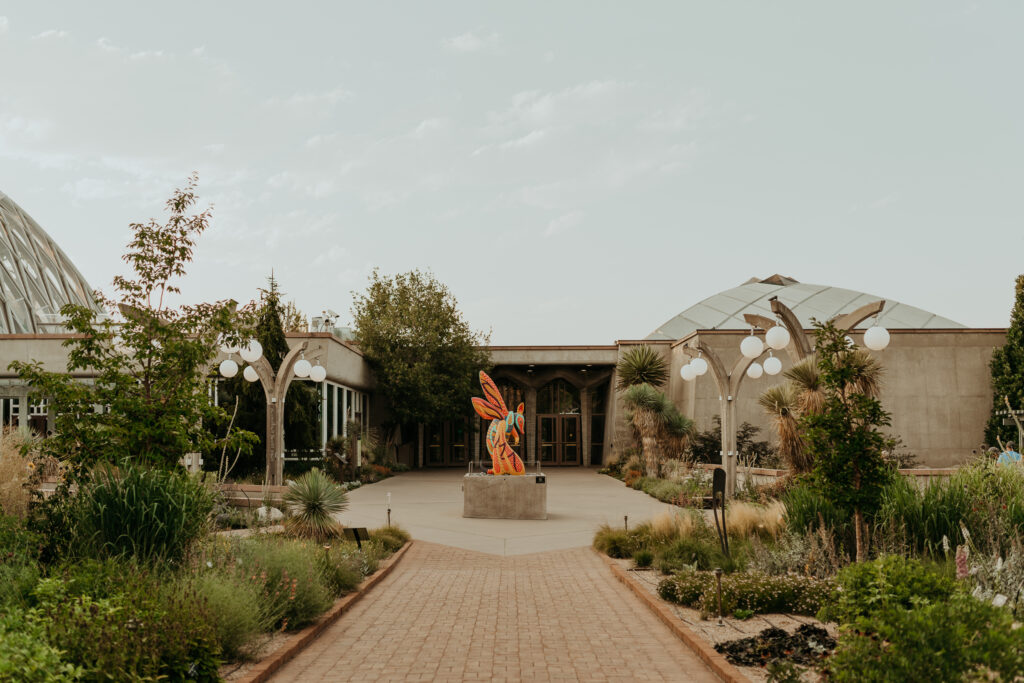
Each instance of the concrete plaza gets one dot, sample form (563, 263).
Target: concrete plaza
(428, 504)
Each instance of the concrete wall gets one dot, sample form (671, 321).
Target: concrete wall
(936, 386)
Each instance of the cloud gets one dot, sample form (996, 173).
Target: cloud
(429, 126)
(562, 223)
(528, 140)
(4, 24)
(52, 33)
(470, 42)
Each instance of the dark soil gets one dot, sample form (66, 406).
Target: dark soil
(807, 646)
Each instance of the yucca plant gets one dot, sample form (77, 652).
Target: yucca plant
(641, 365)
(807, 381)
(313, 499)
(781, 402)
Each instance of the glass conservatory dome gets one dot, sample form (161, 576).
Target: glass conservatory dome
(36, 277)
(724, 311)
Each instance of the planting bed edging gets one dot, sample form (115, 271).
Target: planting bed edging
(264, 669)
(715, 661)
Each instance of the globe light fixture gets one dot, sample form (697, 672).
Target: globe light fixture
(876, 337)
(228, 368)
(751, 346)
(755, 371)
(302, 367)
(688, 373)
(850, 343)
(777, 338)
(699, 365)
(772, 365)
(250, 374)
(229, 348)
(318, 373)
(252, 351)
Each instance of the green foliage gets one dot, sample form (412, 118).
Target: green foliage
(641, 365)
(706, 446)
(884, 584)
(313, 499)
(657, 424)
(342, 566)
(26, 656)
(1007, 367)
(425, 356)
(302, 401)
(238, 615)
(149, 361)
(391, 538)
(618, 543)
(702, 552)
(151, 514)
(290, 580)
(643, 558)
(17, 542)
(843, 439)
(807, 509)
(757, 593)
(956, 640)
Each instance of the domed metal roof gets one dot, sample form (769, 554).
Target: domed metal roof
(36, 277)
(724, 311)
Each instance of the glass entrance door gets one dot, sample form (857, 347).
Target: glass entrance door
(559, 439)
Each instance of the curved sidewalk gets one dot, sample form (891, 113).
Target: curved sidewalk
(447, 614)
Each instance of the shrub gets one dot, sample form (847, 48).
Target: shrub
(757, 593)
(17, 543)
(807, 510)
(288, 576)
(312, 500)
(813, 554)
(343, 566)
(154, 515)
(748, 519)
(16, 469)
(235, 606)
(615, 542)
(890, 582)
(697, 552)
(16, 583)
(391, 538)
(955, 640)
(643, 558)
(25, 654)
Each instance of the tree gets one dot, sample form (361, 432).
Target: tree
(148, 396)
(641, 365)
(302, 402)
(1007, 367)
(657, 423)
(781, 403)
(843, 440)
(426, 358)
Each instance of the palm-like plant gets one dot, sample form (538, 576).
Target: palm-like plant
(782, 403)
(641, 365)
(867, 373)
(313, 499)
(645, 411)
(807, 382)
(677, 430)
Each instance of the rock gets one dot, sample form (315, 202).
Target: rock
(265, 514)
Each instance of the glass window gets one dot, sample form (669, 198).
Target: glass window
(558, 397)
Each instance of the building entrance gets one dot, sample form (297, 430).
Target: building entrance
(559, 439)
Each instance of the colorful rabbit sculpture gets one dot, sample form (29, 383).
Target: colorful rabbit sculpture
(505, 426)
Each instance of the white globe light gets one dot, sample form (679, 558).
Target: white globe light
(755, 371)
(772, 365)
(751, 346)
(876, 338)
(699, 365)
(687, 373)
(252, 351)
(318, 373)
(850, 343)
(777, 337)
(250, 374)
(302, 368)
(229, 348)
(228, 368)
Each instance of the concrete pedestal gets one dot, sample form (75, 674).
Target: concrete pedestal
(488, 496)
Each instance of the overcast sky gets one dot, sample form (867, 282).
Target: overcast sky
(575, 172)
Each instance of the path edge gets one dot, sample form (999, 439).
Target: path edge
(716, 661)
(265, 668)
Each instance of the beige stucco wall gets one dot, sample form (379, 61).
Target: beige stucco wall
(936, 386)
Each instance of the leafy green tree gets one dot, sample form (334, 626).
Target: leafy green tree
(424, 354)
(843, 439)
(302, 402)
(1008, 372)
(147, 396)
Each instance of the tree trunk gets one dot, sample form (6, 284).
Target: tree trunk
(860, 535)
(651, 456)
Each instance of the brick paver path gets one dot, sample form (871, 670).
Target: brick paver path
(447, 614)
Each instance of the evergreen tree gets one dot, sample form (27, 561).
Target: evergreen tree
(302, 403)
(1008, 372)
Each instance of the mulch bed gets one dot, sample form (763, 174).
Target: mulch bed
(807, 646)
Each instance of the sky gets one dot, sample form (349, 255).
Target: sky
(576, 172)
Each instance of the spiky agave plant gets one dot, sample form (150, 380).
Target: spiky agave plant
(641, 365)
(312, 499)
(646, 406)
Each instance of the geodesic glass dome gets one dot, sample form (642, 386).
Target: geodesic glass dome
(36, 277)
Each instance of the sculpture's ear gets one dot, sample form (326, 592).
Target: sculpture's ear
(520, 409)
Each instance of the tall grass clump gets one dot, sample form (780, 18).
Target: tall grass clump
(234, 602)
(748, 519)
(313, 499)
(133, 511)
(16, 469)
(807, 511)
(289, 579)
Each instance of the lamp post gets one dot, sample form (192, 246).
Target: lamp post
(275, 388)
(788, 335)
